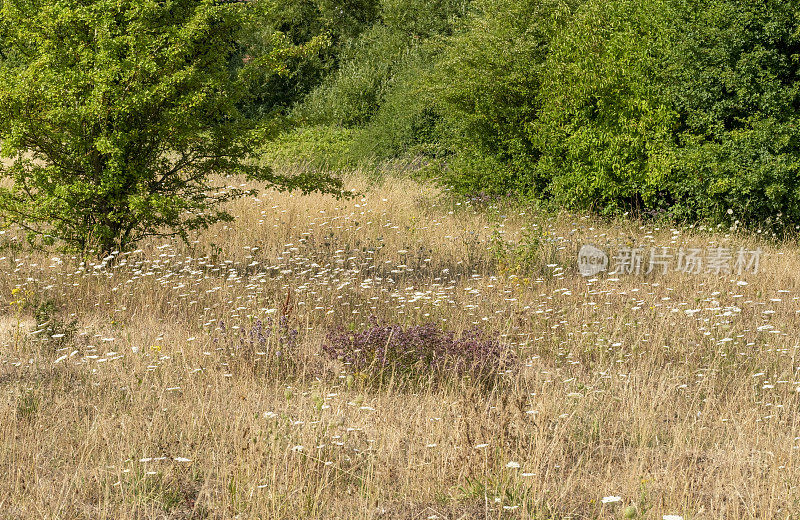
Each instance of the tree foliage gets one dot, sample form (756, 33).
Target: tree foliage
(733, 77)
(603, 124)
(119, 114)
(679, 107)
(486, 88)
(311, 35)
(369, 64)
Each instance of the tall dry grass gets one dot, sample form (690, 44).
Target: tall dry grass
(677, 393)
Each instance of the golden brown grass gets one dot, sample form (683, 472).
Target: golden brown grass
(664, 390)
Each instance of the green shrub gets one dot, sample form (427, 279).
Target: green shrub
(308, 35)
(733, 76)
(603, 124)
(297, 36)
(420, 19)
(120, 117)
(487, 86)
(351, 95)
(315, 147)
(406, 122)
(682, 107)
(369, 64)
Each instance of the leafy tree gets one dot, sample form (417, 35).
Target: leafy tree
(684, 107)
(119, 114)
(371, 64)
(350, 96)
(319, 29)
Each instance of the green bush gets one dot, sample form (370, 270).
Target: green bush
(733, 76)
(118, 117)
(314, 147)
(603, 124)
(351, 95)
(421, 19)
(487, 85)
(382, 57)
(309, 36)
(683, 107)
(406, 122)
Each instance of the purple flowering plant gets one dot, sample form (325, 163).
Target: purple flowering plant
(420, 353)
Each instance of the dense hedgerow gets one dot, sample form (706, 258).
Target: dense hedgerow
(683, 108)
(654, 106)
(733, 79)
(316, 31)
(350, 96)
(369, 65)
(423, 353)
(603, 126)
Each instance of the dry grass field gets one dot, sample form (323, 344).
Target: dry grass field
(146, 389)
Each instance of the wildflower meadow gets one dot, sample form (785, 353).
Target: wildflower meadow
(398, 354)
